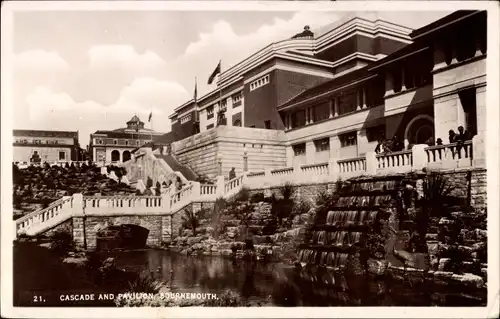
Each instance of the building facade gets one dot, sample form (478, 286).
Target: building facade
(417, 94)
(116, 146)
(433, 84)
(248, 94)
(36, 146)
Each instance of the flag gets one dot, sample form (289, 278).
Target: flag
(214, 73)
(195, 90)
(150, 115)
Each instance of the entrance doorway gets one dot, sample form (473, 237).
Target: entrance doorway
(420, 130)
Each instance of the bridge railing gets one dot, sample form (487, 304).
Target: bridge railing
(122, 204)
(351, 167)
(31, 223)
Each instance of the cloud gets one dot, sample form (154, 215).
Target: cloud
(40, 60)
(222, 42)
(58, 110)
(106, 56)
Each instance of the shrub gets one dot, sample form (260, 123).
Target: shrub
(271, 227)
(242, 196)
(61, 242)
(257, 197)
(287, 191)
(302, 207)
(282, 208)
(145, 283)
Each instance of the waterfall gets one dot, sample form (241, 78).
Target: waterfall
(354, 238)
(307, 256)
(362, 216)
(351, 217)
(329, 217)
(373, 216)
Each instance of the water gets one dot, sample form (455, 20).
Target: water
(279, 285)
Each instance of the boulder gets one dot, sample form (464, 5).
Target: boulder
(444, 263)
(481, 234)
(469, 280)
(194, 240)
(446, 221)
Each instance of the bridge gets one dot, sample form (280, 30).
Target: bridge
(85, 216)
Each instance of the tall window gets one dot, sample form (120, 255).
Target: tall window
(62, 156)
(321, 111)
(115, 142)
(468, 101)
(267, 123)
(236, 99)
(299, 149)
(298, 118)
(347, 103)
(210, 112)
(374, 133)
(322, 144)
(348, 139)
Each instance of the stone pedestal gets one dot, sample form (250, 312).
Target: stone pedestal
(419, 157)
(371, 163)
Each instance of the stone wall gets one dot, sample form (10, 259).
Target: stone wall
(148, 166)
(303, 192)
(479, 188)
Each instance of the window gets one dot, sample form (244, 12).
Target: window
(259, 82)
(348, 139)
(126, 142)
(374, 133)
(299, 149)
(62, 156)
(322, 144)
(237, 123)
(210, 112)
(267, 123)
(210, 126)
(223, 105)
(298, 118)
(321, 112)
(186, 118)
(115, 142)
(236, 99)
(98, 141)
(347, 103)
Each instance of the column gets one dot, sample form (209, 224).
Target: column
(439, 55)
(220, 186)
(336, 106)
(334, 147)
(289, 156)
(371, 163)
(419, 158)
(311, 115)
(289, 121)
(358, 100)
(481, 109)
(245, 160)
(285, 121)
(307, 116)
(403, 79)
(330, 104)
(389, 84)
(364, 97)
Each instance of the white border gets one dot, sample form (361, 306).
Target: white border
(344, 312)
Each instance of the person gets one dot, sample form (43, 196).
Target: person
(462, 136)
(430, 141)
(439, 141)
(451, 136)
(380, 147)
(397, 146)
(232, 174)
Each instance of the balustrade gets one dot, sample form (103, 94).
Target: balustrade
(397, 162)
(449, 156)
(233, 185)
(51, 215)
(352, 167)
(315, 169)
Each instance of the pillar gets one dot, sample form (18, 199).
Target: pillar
(419, 158)
(166, 229)
(333, 169)
(481, 109)
(371, 163)
(364, 97)
(307, 116)
(289, 156)
(439, 55)
(389, 84)
(79, 239)
(331, 106)
(336, 106)
(196, 191)
(478, 150)
(245, 161)
(358, 100)
(403, 78)
(220, 186)
(334, 147)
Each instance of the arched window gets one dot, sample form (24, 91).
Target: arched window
(126, 156)
(115, 156)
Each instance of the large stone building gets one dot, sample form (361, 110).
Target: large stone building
(249, 93)
(36, 146)
(334, 96)
(117, 145)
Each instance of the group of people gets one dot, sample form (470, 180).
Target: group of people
(392, 145)
(453, 137)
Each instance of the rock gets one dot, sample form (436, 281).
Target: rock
(446, 221)
(444, 263)
(481, 234)
(377, 267)
(194, 240)
(469, 279)
(431, 236)
(478, 246)
(231, 234)
(444, 274)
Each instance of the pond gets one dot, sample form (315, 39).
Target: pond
(256, 283)
(273, 284)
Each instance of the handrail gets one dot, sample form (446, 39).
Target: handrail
(40, 211)
(436, 147)
(351, 159)
(393, 153)
(314, 165)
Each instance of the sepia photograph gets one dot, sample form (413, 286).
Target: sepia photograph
(204, 154)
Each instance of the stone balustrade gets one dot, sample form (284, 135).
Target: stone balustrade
(418, 158)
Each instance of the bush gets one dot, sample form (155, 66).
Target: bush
(271, 227)
(61, 242)
(257, 197)
(243, 195)
(302, 207)
(145, 283)
(287, 191)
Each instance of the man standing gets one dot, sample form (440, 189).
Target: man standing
(232, 174)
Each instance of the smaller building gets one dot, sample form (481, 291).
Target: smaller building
(37, 146)
(117, 145)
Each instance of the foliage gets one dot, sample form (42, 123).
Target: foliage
(287, 191)
(228, 298)
(244, 212)
(282, 208)
(191, 219)
(61, 242)
(145, 283)
(301, 208)
(242, 196)
(203, 179)
(271, 227)
(257, 197)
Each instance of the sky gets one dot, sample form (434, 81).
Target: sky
(93, 70)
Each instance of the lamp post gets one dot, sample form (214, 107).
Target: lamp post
(219, 160)
(245, 159)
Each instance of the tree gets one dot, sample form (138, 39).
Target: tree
(119, 175)
(191, 219)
